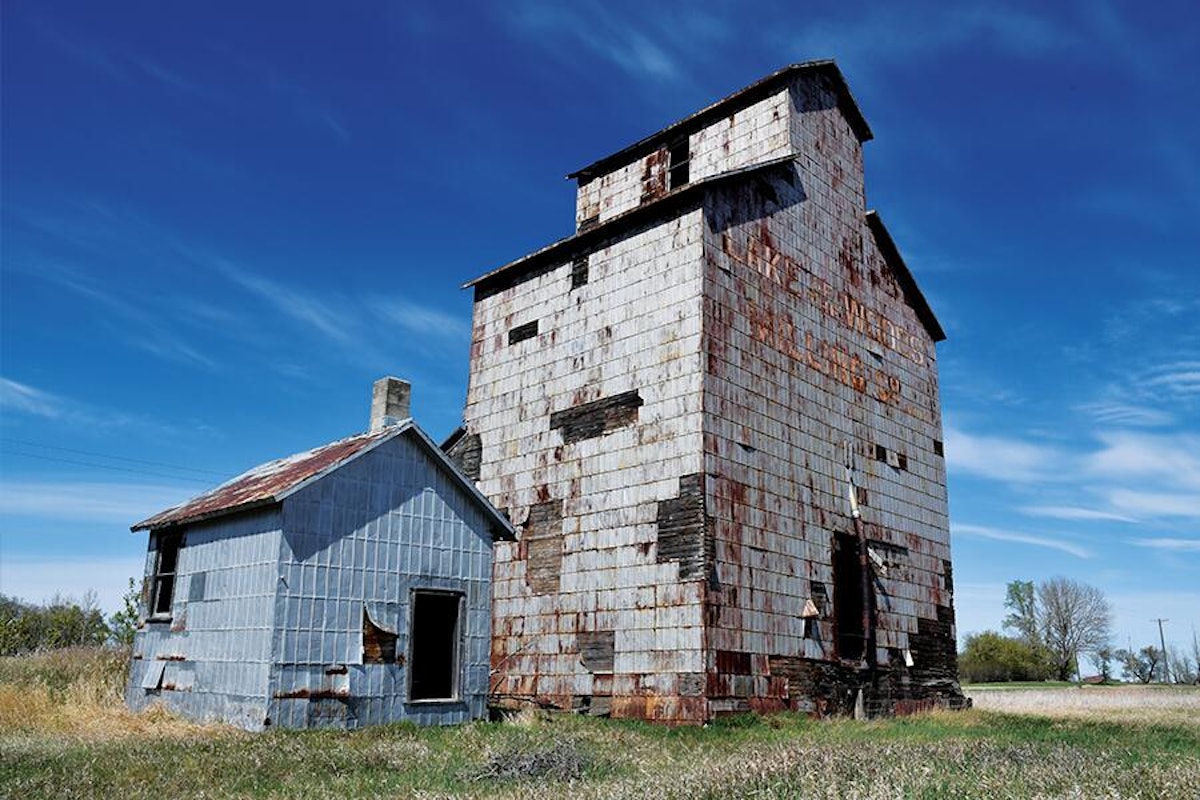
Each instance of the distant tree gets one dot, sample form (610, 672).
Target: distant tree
(1181, 666)
(1102, 660)
(123, 623)
(74, 624)
(989, 657)
(1075, 618)
(63, 622)
(1021, 602)
(1140, 665)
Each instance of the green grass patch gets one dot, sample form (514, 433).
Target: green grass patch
(71, 749)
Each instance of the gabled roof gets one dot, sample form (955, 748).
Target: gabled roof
(277, 480)
(912, 293)
(727, 105)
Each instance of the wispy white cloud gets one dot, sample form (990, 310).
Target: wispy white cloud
(564, 28)
(1074, 513)
(1166, 543)
(22, 398)
(1165, 460)
(422, 320)
(146, 331)
(116, 503)
(1127, 414)
(1180, 379)
(1149, 505)
(888, 33)
(320, 314)
(355, 323)
(1018, 537)
(18, 398)
(1001, 458)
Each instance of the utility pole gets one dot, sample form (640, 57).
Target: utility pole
(1162, 641)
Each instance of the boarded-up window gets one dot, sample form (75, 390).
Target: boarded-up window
(434, 645)
(597, 650)
(598, 417)
(542, 540)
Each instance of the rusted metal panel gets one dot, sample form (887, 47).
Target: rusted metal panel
(264, 484)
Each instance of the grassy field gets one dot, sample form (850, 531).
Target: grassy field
(63, 733)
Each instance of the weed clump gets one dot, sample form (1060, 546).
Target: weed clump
(561, 760)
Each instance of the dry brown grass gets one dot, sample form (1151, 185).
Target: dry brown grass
(64, 732)
(1143, 705)
(78, 694)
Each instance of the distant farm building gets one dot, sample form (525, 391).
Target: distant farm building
(344, 586)
(713, 414)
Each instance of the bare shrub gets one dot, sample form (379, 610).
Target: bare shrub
(560, 760)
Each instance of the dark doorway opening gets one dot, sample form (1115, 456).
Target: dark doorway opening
(848, 596)
(434, 650)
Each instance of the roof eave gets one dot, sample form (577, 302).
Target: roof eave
(912, 291)
(150, 523)
(581, 240)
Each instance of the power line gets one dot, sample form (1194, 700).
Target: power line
(116, 458)
(108, 466)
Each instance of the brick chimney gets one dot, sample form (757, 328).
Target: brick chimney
(389, 403)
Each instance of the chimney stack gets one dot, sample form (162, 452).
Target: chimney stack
(389, 403)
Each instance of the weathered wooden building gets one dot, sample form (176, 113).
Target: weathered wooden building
(344, 586)
(713, 414)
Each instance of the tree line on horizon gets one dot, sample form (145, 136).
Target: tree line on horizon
(1053, 624)
(65, 622)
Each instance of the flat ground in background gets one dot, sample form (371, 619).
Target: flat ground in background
(1164, 705)
(64, 733)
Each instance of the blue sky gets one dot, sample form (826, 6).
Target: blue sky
(218, 227)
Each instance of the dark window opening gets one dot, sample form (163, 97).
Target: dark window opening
(165, 562)
(678, 158)
(880, 453)
(434, 646)
(523, 332)
(579, 272)
(379, 645)
(938, 448)
(848, 596)
(902, 462)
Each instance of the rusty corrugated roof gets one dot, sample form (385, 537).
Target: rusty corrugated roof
(267, 483)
